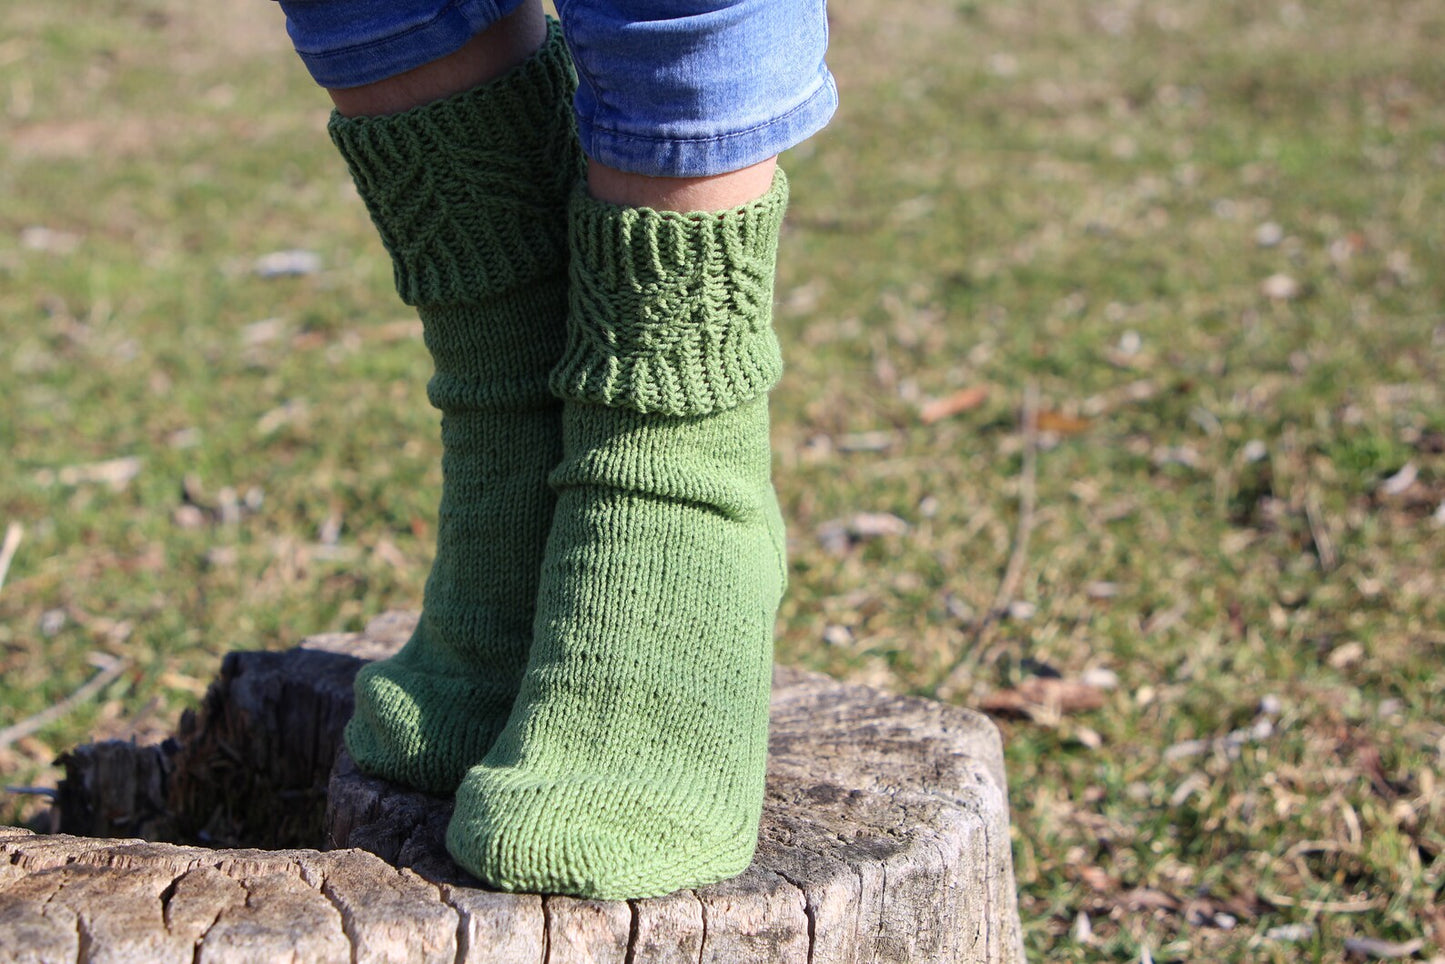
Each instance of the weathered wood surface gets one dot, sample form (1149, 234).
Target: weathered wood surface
(884, 838)
(249, 768)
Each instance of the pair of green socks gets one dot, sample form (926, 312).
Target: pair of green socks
(591, 672)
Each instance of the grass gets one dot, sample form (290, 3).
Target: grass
(1237, 481)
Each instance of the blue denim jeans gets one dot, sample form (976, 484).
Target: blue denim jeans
(672, 88)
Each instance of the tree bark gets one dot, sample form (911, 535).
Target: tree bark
(884, 838)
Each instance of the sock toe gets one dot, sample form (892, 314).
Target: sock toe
(602, 837)
(421, 728)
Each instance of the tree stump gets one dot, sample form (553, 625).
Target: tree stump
(884, 837)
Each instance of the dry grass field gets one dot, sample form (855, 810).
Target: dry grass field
(1115, 405)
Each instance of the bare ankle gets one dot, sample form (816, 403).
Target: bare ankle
(718, 192)
(488, 55)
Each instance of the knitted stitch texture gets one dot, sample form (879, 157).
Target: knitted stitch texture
(633, 762)
(671, 313)
(469, 195)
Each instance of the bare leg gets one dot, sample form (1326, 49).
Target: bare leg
(488, 55)
(716, 193)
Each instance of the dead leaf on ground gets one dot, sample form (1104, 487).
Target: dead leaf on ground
(1146, 898)
(840, 535)
(1043, 694)
(1097, 878)
(1061, 424)
(963, 400)
(1400, 482)
(116, 473)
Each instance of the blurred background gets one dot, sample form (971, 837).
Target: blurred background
(1114, 407)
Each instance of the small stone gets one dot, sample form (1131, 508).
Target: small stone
(228, 505)
(285, 264)
(839, 535)
(1398, 483)
(1290, 933)
(958, 609)
(1268, 235)
(866, 442)
(52, 621)
(188, 517)
(1279, 287)
(1021, 611)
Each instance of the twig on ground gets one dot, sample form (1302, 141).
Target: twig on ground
(1323, 906)
(1320, 534)
(1018, 555)
(14, 532)
(1386, 950)
(1028, 478)
(49, 715)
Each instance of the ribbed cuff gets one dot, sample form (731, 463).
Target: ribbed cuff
(671, 313)
(469, 193)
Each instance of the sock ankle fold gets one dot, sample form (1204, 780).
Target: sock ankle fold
(469, 196)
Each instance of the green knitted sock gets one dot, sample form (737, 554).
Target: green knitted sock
(469, 195)
(633, 763)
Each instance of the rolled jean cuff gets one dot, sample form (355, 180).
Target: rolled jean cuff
(691, 88)
(718, 153)
(356, 42)
(667, 88)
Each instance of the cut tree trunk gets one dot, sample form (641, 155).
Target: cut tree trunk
(884, 837)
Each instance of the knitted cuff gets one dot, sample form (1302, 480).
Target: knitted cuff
(671, 313)
(469, 193)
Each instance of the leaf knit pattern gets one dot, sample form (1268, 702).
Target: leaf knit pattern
(469, 196)
(671, 312)
(634, 760)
